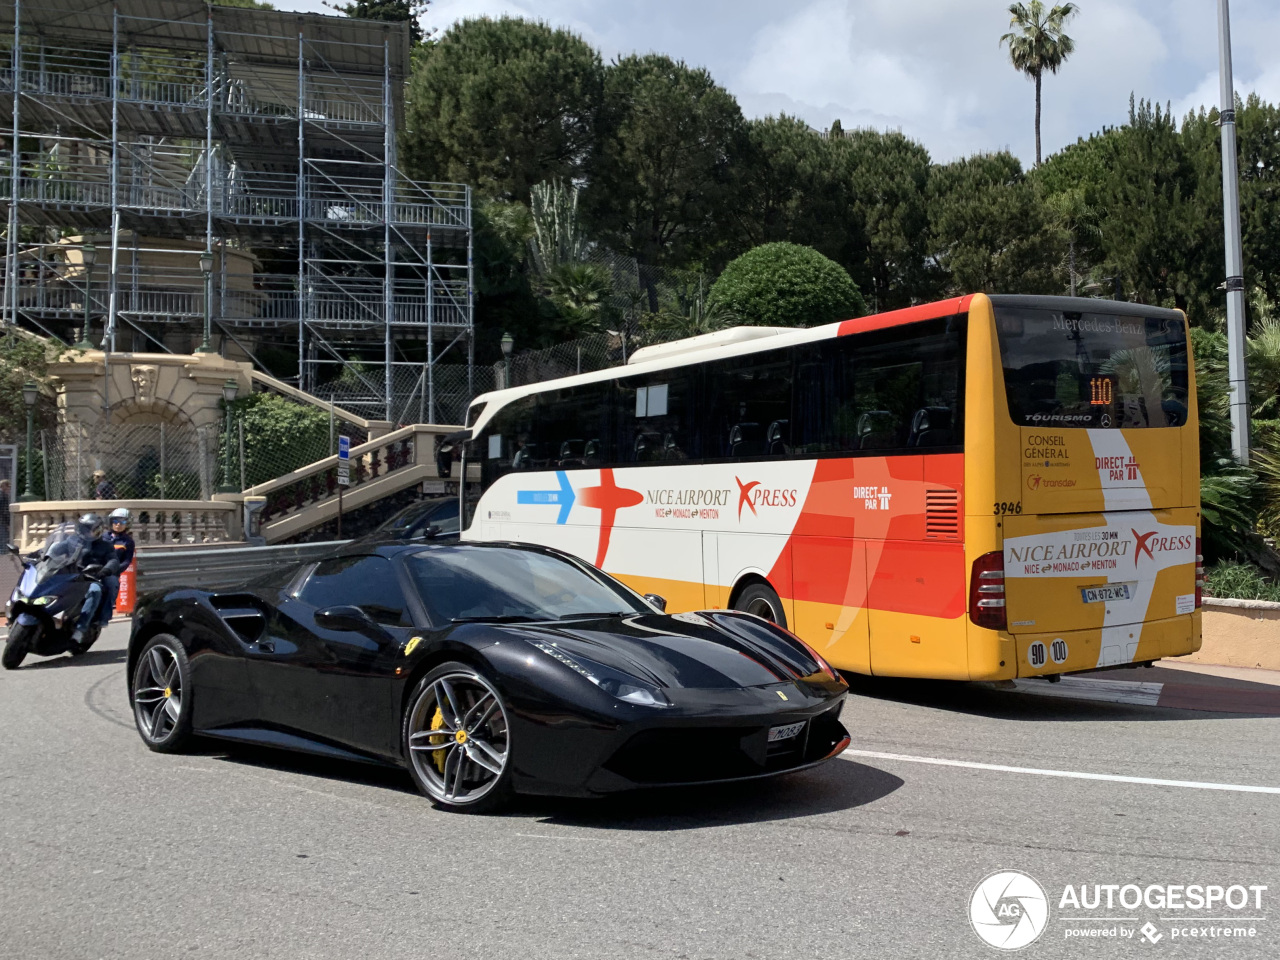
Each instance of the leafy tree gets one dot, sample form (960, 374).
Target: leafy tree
(787, 285)
(502, 105)
(1258, 124)
(1161, 228)
(789, 186)
(1039, 43)
(1071, 213)
(886, 180)
(662, 189)
(990, 228)
(391, 11)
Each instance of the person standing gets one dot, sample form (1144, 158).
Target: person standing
(121, 540)
(103, 489)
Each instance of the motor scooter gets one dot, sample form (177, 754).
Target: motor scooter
(46, 603)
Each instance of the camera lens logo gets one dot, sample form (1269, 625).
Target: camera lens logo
(1009, 910)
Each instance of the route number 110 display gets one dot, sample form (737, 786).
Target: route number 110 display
(1101, 392)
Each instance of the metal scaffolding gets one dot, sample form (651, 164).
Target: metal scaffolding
(237, 161)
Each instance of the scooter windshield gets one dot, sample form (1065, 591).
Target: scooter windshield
(63, 550)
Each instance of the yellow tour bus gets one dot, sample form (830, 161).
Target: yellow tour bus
(983, 488)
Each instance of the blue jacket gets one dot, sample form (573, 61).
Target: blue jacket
(123, 545)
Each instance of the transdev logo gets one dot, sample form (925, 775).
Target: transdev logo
(1038, 482)
(1009, 910)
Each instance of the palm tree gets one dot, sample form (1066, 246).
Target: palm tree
(1039, 44)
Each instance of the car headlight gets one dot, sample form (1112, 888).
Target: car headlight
(613, 682)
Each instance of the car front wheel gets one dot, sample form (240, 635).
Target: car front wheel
(161, 692)
(457, 740)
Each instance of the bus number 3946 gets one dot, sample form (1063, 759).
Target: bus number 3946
(1005, 508)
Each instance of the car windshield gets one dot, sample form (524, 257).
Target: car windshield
(485, 583)
(437, 511)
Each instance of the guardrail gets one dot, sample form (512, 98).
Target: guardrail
(218, 569)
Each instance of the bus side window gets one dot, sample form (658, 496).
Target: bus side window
(749, 407)
(659, 416)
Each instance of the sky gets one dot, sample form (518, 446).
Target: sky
(933, 69)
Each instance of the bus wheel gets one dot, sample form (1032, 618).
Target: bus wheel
(760, 599)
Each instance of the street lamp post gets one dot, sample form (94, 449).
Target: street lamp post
(507, 343)
(228, 394)
(90, 253)
(30, 394)
(206, 268)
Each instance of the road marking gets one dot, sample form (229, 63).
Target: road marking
(1067, 774)
(1088, 688)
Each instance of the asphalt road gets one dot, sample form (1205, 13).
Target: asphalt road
(108, 850)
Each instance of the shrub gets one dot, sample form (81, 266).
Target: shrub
(280, 435)
(1240, 581)
(787, 285)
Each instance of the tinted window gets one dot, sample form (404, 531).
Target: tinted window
(658, 417)
(894, 390)
(749, 406)
(1093, 369)
(369, 583)
(479, 582)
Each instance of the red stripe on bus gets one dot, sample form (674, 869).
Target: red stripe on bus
(895, 318)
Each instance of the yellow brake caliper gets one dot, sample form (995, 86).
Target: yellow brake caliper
(437, 723)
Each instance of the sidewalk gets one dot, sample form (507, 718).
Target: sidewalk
(1172, 684)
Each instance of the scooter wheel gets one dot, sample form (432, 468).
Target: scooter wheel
(15, 649)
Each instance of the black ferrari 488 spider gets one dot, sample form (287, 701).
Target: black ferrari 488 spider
(486, 670)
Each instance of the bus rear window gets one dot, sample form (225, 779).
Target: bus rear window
(1095, 369)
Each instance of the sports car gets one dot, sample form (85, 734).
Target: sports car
(486, 670)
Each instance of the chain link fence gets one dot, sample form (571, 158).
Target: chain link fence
(415, 398)
(146, 461)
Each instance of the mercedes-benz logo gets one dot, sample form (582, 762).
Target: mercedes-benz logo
(1009, 910)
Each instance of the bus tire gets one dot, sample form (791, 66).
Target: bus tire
(762, 600)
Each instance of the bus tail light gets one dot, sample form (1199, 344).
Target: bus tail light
(986, 592)
(1200, 576)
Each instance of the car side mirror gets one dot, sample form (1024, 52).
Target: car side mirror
(657, 601)
(349, 618)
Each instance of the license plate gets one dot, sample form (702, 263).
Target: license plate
(1106, 593)
(785, 732)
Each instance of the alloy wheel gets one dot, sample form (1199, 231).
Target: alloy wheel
(157, 693)
(458, 738)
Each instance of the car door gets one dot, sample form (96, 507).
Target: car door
(335, 685)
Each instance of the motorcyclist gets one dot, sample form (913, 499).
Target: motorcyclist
(118, 523)
(97, 552)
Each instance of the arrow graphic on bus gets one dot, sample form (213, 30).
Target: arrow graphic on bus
(563, 497)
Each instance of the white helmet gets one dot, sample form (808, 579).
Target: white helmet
(120, 515)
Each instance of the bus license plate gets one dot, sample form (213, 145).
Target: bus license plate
(786, 732)
(1106, 593)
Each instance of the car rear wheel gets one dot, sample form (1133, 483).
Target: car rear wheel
(457, 740)
(21, 637)
(763, 601)
(161, 694)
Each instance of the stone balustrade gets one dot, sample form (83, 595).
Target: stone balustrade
(156, 523)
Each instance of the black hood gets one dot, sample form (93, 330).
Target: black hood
(689, 650)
